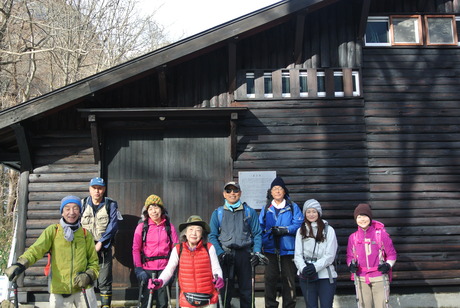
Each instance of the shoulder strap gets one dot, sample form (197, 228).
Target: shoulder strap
(168, 232)
(220, 214)
(145, 229)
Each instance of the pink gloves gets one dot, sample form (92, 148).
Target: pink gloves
(219, 283)
(155, 284)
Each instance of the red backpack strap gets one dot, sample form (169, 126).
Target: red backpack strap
(47, 268)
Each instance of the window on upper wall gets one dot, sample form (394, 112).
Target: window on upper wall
(377, 32)
(441, 30)
(407, 30)
(268, 84)
(285, 84)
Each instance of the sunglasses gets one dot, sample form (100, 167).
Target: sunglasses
(229, 190)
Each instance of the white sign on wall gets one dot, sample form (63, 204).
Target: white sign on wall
(254, 186)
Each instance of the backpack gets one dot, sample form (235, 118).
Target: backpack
(220, 213)
(47, 268)
(291, 207)
(145, 230)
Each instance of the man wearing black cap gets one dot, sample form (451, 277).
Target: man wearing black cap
(100, 216)
(237, 237)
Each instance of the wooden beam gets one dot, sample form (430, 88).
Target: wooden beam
(23, 192)
(233, 135)
(8, 157)
(162, 84)
(231, 70)
(23, 145)
(299, 35)
(363, 20)
(95, 138)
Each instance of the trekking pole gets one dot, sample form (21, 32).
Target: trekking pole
(253, 286)
(177, 291)
(386, 279)
(168, 293)
(15, 291)
(356, 286)
(218, 291)
(83, 290)
(278, 257)
(385, 288)
(149, 303)
(141, 287)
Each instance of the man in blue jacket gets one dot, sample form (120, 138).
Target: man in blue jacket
(279, 221)
(237, 237)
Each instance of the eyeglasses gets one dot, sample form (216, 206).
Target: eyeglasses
(229, 190)
(277, 188)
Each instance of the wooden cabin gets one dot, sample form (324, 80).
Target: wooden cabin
(349, 101)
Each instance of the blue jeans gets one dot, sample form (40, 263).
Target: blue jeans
(321, 289)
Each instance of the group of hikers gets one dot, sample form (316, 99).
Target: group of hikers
(209, 259)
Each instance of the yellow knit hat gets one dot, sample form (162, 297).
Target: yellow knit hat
(152, 199)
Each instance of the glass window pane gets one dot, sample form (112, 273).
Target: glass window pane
(405, 30)
(321, 79)
(268, 84)
(338, 83)
(440, 30)
(457, 22)
(250, 86)
(285, 82)
(303, 81)
(377, 31)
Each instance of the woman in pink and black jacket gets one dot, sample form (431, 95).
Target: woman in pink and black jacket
(154, 238)
(370, 257)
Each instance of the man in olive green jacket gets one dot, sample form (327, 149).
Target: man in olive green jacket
(74, 261)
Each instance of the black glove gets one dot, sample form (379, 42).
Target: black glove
(279, 231)
(384, 268)
(16, 269)
(309, 270)
(353, 268)
(226, 258)
(141, 275)
(84, 279)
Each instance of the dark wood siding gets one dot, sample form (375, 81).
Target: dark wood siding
(64, 164)
(413, 127)
(187, 167)
(318, 147)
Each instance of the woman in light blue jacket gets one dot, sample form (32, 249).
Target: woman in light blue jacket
(279, 221)
(315, 250)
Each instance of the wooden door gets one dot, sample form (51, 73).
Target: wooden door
(187, 168)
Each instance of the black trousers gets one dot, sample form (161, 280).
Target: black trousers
(241, 268)
(287, 278)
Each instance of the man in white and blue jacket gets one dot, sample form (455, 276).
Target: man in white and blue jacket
(279, 221)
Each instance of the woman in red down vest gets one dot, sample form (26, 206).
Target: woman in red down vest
(199, 272)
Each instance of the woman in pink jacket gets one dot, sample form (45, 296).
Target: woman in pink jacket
(370, 257)
(154, 238)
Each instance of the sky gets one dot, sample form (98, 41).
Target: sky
(183, 18)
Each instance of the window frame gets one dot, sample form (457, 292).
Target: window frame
(375, 19)
(418, 28)
(453, 25)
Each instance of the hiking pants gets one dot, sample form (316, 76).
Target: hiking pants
(321, 289)
(241, 267)
(373, 295)
(287, 278)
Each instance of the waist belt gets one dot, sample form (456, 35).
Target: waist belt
(198, 299)
(155, 258)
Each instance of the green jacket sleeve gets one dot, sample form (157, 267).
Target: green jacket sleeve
(41, 246)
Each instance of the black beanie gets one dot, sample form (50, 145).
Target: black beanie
(363, 209)
(278, 181)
